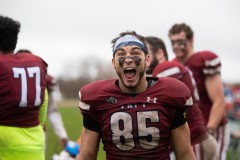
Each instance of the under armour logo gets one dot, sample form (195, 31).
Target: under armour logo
(111, 100)
(189, 102)
(154, 100)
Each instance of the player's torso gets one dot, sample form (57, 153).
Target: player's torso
(194, 116)
(140, 123)
(196, 64)
(203, 64)
(150, 120)
(22, 86)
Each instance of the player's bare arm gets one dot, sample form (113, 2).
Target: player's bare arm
(180, 136)
(89, 145)
(215, 92)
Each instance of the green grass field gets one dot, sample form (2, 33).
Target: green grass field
(73, 123)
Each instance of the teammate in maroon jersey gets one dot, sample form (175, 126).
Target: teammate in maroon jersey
(161, 67)
(205, 67)
(53, 114)
(136, 117)
(22, 98)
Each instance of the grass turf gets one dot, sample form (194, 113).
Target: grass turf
(73, 123)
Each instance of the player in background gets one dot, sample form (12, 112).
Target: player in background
(228, 96)
(204, 144)
(206, 67)
(23, 98)
(53, 114)
(70, 150)
(134, 116)
(235, 115)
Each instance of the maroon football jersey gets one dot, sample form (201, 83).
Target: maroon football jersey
(135, 126)
(194, 115)
(51, 83)
(203, 64)
(22, 83)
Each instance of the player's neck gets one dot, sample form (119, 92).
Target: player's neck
(6, 52)
(141, 87)
(162, 60)
(187, 56)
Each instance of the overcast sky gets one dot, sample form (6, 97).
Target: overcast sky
(64, 32)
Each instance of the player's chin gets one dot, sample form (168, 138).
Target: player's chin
(130, 83)
(179, 54)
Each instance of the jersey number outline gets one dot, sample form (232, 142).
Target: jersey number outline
(33, 72)
(122, 129)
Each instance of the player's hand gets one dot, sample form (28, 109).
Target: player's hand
(211, 131)
(64, 141)
(44, 127)
(72, 148)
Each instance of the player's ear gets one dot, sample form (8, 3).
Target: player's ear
(113, 63)
(148, 60)
(159, 54)
(191, 40)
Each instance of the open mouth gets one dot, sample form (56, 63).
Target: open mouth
(129, 72)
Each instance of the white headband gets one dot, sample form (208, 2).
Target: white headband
(129, 40)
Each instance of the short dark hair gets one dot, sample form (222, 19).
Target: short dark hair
(9, 30)
(23, 51)
(156, 44)
(140, 37)
(182, 27)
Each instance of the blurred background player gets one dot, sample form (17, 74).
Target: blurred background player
(206, 67)
(234, 118)
(23, 98)
(236, 102)
(228, 96)
(53, 114)
(204, 144)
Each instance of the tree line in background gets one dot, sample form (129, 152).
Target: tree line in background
(88, 70)
(77, 74)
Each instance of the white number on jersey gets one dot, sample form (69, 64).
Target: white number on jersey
(33, 72)
(122, 129)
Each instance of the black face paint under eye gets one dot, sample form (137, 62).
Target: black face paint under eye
(179, 42)
(136, 60)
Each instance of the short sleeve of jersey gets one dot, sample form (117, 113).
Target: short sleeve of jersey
(168, 69)
(90, 123)
(84, 106)
(178, 94)
(211, 63)
(179, 118)
(89, 120)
